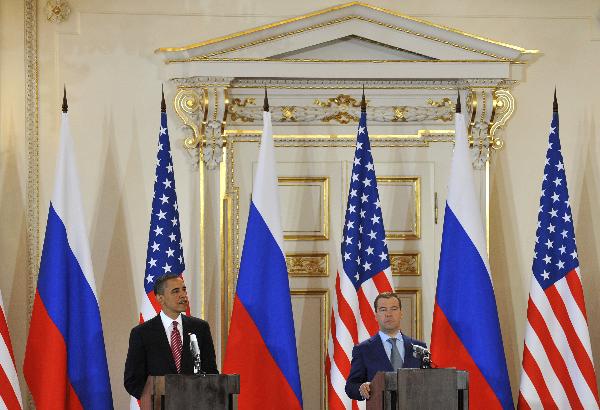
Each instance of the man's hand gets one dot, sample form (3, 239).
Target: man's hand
(365, 390)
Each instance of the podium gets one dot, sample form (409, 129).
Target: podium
(183, 391)
(435, 389)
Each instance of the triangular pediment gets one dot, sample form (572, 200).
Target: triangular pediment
(351, 48)
(352, 31)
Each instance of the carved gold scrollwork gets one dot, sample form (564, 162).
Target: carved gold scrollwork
(341, 115)
(288, 113)
(342, 109)
(238, 115)
(307, 264)
(341, 100)
(192, 109)
(204, 112)
(504, 107)
(399, 114)
(57, 11)
(405, 264)
(489, 110)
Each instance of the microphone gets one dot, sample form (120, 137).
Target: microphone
(424, 356)
(195, 349)
(420, 351)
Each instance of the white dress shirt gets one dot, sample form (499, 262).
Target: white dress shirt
(168, 324)
(388, 346)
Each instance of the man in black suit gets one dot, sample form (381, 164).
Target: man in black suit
(161, 345)
(387, 351)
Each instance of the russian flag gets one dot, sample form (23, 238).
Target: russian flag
(466, 330)
(261, 347)
(65, 359)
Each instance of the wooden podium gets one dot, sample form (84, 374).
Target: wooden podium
(424, 389)
(182, 391)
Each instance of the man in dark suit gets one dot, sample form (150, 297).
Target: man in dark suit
(387, 351)
(161, 345)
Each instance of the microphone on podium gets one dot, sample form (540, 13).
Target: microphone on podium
(195, 349)
(423, 354)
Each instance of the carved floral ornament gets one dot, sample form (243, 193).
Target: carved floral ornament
(57, 11)
(342, 109)
(207, 110)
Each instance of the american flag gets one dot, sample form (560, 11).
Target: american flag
(165, 249)
(364, 271)
(558, 369)
(10, 393)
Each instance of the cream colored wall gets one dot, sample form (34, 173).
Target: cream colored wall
(104, 54)
(13, 174)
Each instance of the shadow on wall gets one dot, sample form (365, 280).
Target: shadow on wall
(112, 256)
(13, 246)
(506, 251)
(587, 226)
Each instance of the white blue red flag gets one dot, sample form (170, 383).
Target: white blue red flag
(10, 393)
(364, 271)
(65, 359)
(558, 368)
(261, 347)
(466, 330)
(164, 254)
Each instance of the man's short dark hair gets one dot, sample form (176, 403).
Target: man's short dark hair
(387, 295)
(159, 284)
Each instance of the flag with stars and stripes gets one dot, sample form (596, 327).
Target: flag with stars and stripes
(10, 392)
(165, 248)
(363, 274)
(558, 368)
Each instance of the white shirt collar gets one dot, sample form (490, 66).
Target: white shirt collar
(168, 324)
(384, 336)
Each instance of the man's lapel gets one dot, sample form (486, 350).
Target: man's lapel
(409, 358)
(379, 353)
(187, 365)
(165, 345)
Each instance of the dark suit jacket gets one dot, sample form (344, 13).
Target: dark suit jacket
(150, 352)
(369, 357)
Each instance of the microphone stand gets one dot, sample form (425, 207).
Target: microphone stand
(195, 350)
(425, 360)
(424, 356)
(198, 366)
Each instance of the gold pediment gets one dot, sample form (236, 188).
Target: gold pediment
(416, 40)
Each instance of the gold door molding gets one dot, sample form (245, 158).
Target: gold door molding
(322, 296)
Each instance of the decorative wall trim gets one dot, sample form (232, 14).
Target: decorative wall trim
(414, 294)
(33, 150)
(307, 264)
(342, 109)
(323, 184)
(405, 263)
(323, 294)
(57, 11)
(32, 138)
(415, 183)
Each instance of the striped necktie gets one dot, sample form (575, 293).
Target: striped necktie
(176, 346)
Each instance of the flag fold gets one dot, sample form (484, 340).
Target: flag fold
(65, 359)
(363, 272)
(10, 392)
(261, 346)
(558, 367)
(466, 329)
